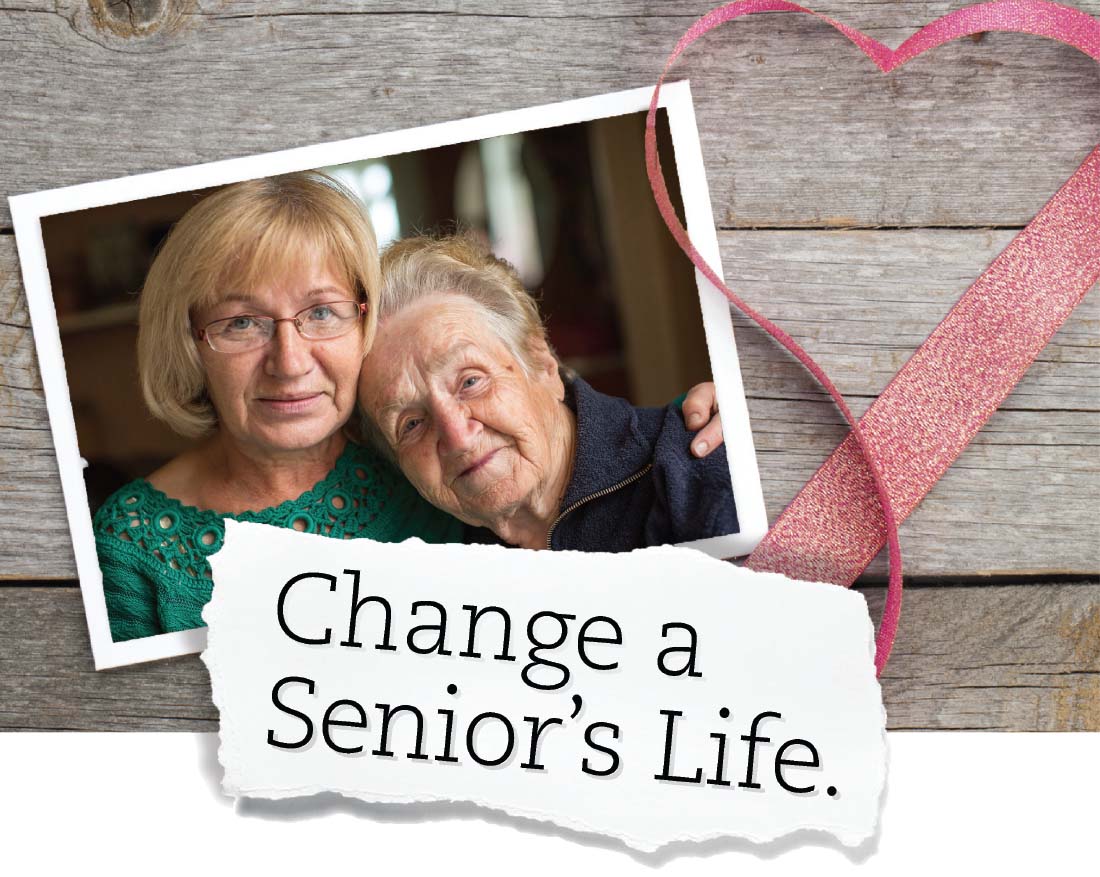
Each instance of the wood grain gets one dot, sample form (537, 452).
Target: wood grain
(995, 658)
(1022, 497)
(991, 658)
(798, 128)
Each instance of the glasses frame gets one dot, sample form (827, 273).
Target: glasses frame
(203, 334)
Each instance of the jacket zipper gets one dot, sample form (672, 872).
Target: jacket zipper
(599, 494)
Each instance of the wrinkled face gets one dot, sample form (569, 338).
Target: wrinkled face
(292, 393)
(474, 433)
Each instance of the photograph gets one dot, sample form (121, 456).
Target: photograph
(490, 339)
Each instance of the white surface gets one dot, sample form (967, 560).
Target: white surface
(149, 804)
(793, 661)
(28, 210)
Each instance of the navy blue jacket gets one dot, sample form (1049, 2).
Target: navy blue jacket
(635, 481)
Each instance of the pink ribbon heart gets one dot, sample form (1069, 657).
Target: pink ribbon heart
(960, 375)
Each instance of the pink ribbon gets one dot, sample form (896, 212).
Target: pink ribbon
(939, 400)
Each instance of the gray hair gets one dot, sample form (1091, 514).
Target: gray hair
(460, 264)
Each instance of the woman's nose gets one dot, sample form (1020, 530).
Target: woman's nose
(457, 429)
(289, 355)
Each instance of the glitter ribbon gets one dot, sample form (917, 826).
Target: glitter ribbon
(941, 397)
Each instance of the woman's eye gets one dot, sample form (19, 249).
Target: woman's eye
(320, 314)
(239, 324)
(408, 427)
(470, 381)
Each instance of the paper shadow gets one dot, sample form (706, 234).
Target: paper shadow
(327, 803)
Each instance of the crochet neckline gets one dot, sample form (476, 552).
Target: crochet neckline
(318, 489)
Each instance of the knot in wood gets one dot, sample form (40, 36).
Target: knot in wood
(133, 18)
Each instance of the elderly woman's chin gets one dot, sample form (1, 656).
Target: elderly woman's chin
(488, 491)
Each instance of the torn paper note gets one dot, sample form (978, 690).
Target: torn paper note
(654, 696)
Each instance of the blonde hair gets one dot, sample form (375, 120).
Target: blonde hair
(233, 240)
(461, 264)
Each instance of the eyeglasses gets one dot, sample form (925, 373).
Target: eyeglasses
(318, 322)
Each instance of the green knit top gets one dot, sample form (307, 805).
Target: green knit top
(153, 549)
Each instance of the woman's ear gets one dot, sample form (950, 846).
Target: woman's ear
(544, 364)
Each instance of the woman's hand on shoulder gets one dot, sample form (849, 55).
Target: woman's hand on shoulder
(701, 413)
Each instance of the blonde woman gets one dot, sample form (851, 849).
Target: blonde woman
(253, 324)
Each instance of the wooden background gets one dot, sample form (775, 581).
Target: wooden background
(853, 208)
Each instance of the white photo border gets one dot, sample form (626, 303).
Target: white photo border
(28, 210)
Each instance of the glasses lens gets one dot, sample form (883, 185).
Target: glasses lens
(329, 320)
(317, 322)
(239, 333)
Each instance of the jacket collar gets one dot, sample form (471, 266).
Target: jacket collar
(610, 445)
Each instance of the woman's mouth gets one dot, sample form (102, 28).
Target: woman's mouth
(478, 464)
(297, 403)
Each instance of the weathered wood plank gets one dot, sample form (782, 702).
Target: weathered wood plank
(798, 128)
(30, 489)
(996, 658)
(1020, 499)
(49, 682)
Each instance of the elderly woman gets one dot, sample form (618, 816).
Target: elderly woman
(254, 320)
(463, 391)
